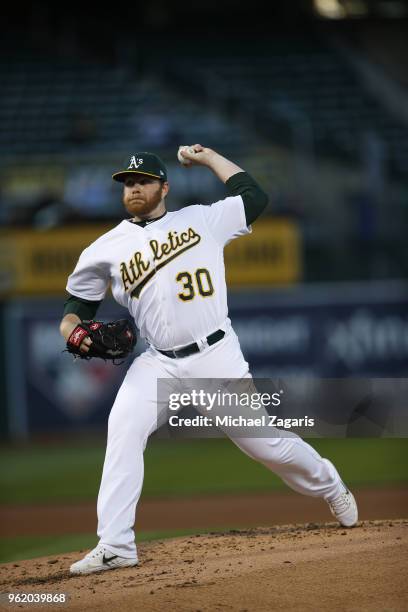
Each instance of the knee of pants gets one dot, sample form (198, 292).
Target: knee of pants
(271, 450)
(127, 445)
(133, 431)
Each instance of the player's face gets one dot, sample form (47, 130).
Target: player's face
(143, 196)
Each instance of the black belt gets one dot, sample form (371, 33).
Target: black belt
(190, 349)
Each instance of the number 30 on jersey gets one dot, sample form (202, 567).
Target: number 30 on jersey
(198, 283)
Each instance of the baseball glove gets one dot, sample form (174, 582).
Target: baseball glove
(114, 340)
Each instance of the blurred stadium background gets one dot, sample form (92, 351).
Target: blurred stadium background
(312, 100)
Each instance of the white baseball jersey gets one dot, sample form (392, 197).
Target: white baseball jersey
(169, 274)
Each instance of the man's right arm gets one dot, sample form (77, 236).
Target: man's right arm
(237, 181)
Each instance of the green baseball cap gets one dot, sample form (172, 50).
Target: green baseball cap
(142, 163)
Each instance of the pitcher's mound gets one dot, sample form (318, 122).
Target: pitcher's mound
(295, 567)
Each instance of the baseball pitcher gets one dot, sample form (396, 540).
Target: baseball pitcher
(167, 269)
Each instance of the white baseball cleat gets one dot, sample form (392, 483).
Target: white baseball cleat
(100, 559)
(344, 508)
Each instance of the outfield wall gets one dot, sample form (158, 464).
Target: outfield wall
(325, 331)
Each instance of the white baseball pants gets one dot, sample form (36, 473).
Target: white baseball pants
(134, 417)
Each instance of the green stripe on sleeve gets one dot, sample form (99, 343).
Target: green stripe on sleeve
(254, 198)
(84, 309)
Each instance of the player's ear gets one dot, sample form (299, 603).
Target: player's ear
(165, 188)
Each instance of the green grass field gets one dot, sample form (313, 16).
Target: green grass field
(70, 471)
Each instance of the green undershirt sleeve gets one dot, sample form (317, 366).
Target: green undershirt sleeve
(254, 198)
(84, 309)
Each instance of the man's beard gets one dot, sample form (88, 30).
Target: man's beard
(147, 207)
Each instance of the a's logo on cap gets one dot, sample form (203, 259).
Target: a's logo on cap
(161, 172)
(135, 163)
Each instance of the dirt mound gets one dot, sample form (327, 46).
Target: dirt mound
(296, 567)
(240, 511)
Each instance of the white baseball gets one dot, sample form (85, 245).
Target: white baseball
(182, 160)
